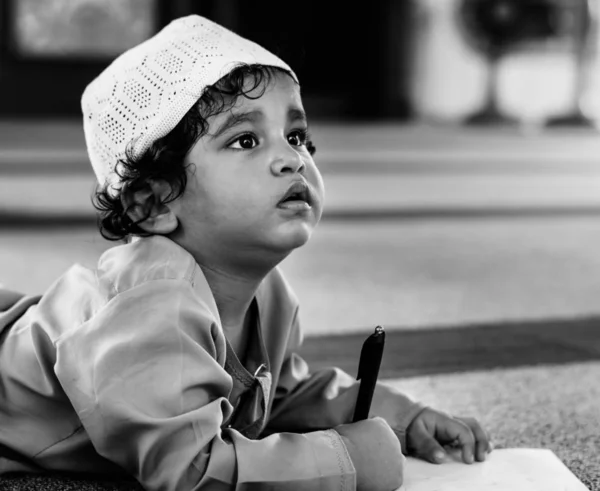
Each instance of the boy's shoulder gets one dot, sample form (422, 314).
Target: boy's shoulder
(145, 259)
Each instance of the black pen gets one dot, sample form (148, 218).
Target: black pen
(368, 371)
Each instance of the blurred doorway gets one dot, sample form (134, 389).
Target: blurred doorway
(353, 62)
(51, 49)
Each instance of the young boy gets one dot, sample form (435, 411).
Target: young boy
(174, 361)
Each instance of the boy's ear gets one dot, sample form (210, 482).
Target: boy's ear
(146, 204)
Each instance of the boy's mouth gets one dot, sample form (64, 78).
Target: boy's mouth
(297, 197)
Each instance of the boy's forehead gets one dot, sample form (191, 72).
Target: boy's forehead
(281, 94)
(281, 85)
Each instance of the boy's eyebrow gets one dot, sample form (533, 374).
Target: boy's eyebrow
(235, 119)
(295, 114)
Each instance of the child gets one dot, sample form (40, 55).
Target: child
(175, 360)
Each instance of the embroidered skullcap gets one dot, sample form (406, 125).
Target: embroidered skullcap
(143, 94)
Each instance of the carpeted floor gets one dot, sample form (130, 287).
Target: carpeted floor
(531, 384)
(554, 407)
(546, 406)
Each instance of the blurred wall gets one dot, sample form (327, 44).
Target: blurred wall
(352, 62)
(382, 59)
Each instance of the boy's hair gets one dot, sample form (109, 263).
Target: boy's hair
(164, 159)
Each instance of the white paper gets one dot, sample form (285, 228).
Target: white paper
(514, 469)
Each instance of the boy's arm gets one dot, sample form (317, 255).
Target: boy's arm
(146, 378)
(326, 398)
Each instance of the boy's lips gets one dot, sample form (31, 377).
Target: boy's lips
(298, 196)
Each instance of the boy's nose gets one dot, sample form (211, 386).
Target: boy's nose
(290, 163)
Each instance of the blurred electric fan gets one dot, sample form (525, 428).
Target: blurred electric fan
(583, 31)
(495, 28)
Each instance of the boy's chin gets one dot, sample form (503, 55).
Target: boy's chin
(289, 240)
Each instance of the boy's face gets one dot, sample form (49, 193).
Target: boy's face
(253, 187)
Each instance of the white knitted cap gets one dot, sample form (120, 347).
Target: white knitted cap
(147, 90)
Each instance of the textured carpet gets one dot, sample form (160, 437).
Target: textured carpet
(531, 384)
(554, 407)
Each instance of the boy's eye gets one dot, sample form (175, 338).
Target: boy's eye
(298, 138)
(302, 138)
(244, 142)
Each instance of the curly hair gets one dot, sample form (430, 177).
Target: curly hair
(165, 159)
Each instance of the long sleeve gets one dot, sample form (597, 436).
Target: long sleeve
(326, 398)
(145, 375)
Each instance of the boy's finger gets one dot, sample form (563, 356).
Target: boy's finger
(481, 451)
(482, 439)
(464, 436)
(434, 452)
(426, 446)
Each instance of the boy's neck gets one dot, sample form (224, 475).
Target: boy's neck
(234, 290)
(233, 275)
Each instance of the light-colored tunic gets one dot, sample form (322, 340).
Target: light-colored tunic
(126, 369)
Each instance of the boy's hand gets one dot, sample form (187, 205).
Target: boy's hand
(376, 454)
(432, 429)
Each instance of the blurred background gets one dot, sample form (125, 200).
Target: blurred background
(459, 146)
(457, 139)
